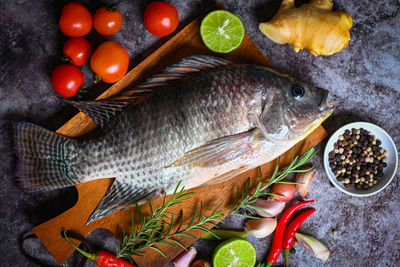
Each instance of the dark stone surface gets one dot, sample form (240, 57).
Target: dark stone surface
(364, 80)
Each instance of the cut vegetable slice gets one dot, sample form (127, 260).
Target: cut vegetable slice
(235, 252)
(221, 31)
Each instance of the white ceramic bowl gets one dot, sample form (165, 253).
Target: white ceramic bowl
(389, 171)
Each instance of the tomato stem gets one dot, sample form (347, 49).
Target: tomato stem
(112, 8)
(96, 78)
(66, 59)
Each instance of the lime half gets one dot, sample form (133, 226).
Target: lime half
(235, 252)
(221, 31)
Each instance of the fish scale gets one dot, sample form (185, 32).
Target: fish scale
(206, 121)
(152, 147)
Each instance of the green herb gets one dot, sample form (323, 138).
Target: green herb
(248, 199)
(157, 228)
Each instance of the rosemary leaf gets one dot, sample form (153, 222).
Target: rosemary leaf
(157, 227)
(248, 199)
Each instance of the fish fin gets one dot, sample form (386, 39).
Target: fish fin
(46, 160)
(103, 111)
(100, 111)
(221, 150)
(181, 70)
(120, 196)
(227, 176)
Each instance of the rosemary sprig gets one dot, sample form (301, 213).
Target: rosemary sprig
(157, 227)
(248, 199)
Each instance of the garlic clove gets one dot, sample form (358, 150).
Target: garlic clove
(271, 208)
(261, 228)
(304, 180)
(313, 246)
(185, 258)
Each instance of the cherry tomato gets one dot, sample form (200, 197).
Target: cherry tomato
(107, 21)
(160, 18)
(75, 20)
(67, 79)
(77, 50)
(110, 61)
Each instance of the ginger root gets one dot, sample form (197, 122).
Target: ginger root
(313, 26)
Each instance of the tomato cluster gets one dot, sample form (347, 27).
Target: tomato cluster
(110, 60)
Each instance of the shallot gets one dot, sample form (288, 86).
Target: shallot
(313, 246)
(270, 207)
(185, 258)
(283, 190)
(304, 179)
(261, 228)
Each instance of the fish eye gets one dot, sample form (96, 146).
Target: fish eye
(298, 91)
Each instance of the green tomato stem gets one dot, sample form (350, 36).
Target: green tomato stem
(112, 8)
(96, 78)
(66, 59)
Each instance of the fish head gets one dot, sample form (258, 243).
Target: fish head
(292, 109)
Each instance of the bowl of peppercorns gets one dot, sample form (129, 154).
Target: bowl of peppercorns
(360, 159)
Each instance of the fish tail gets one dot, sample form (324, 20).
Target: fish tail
(46, 160)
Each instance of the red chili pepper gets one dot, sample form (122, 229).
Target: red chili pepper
(288, 238)
(102, 258)
(280, 229)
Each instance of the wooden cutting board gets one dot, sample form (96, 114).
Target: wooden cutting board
(185, 43)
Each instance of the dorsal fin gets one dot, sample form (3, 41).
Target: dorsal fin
(180, 70)
(103, 111)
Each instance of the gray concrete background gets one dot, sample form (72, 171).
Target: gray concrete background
(364, 80)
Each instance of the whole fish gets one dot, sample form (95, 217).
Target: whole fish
(205, 120)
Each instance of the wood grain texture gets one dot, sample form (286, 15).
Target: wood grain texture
(185, 43)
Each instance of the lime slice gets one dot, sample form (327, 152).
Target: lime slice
(235, 252)
(221, 31)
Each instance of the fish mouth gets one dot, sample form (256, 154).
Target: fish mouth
(326, 106)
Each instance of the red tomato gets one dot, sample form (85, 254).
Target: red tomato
(75, 20)
(107, 21)
(77, 50)
(160, 18)
(67, 79)
(110, 61)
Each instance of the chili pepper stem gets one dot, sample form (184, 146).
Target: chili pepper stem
(286, 256)
(268, 264)
(92, 256)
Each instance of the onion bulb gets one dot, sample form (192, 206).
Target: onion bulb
(270, 206)
(286, 191)
(261, 227)
(313, 246)
(304, 179)
(185, 258)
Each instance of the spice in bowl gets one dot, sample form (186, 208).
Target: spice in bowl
(357, 159)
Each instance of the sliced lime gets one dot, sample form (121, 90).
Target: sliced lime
(221, 31)
(235, 252)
